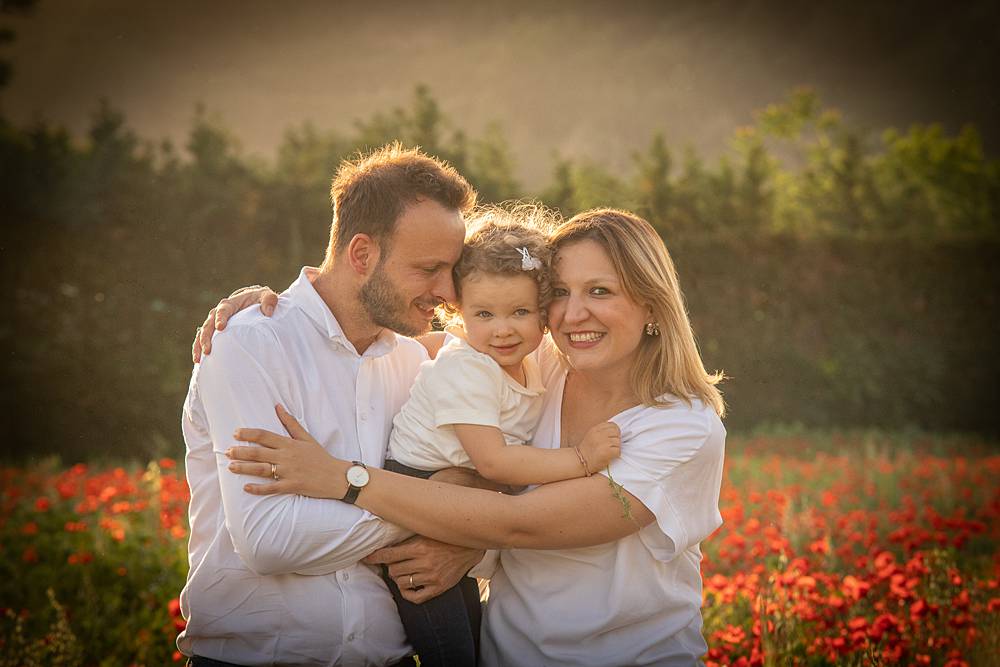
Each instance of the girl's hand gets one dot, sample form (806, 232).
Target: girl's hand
(217, 317)
(298, 464)
(600, 445)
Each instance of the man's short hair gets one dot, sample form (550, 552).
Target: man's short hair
(370, 192)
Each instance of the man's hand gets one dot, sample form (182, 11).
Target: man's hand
(424, 568)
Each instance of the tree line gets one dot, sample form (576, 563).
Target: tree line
(851, 270)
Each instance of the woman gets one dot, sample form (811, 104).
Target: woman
(600, 570)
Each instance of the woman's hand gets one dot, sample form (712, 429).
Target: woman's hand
(298, 464)
(218, 317)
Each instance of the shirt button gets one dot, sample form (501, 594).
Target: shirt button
(346, 576)
(364, 416)
(350, 637)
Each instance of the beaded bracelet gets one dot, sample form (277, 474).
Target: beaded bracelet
(583, 461)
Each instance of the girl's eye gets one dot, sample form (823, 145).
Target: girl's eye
(521, 312)
(483, 314)
(559, 292)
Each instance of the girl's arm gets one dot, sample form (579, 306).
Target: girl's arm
(573, 513)
(522, 465)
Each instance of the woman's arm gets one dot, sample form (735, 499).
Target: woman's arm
(573, 513)
(521, 465)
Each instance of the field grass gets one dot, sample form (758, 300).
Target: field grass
(862, 548)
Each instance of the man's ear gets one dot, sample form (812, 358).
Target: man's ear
(363, 254)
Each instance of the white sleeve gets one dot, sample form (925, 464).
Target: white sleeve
(466, 389)
(238, 386)
(671, 461)
(487, 567)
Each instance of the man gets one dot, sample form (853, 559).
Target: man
(276, 579)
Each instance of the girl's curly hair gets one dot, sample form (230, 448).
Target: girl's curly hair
(492, 246)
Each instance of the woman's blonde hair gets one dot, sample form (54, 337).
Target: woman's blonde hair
(669, 362)
(494, 241)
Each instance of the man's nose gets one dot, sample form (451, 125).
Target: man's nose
(444, 289)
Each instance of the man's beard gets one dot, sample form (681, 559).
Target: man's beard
(386, 306)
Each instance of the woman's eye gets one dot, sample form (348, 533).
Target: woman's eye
(599, 291)
(559, 292)
(430, 270)
(483, 314)
(521, 312)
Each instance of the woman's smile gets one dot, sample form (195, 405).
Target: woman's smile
(584, 339)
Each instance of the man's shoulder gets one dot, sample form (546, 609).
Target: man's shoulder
(410, 346)
(255, 332)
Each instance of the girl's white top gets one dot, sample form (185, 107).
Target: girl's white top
(636, 601)
(463, 386)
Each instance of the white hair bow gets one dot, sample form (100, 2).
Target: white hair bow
(528, 262)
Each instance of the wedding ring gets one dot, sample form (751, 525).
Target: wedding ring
(274, 472)
(412, 585)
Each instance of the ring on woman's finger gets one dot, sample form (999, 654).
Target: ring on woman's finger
(274, 472)
(413, 586)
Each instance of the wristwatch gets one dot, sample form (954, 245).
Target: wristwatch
(357, 479)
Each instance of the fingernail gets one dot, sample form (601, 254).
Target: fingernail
(229, 453)
(232, 466)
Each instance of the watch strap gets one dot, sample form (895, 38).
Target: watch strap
(352, 491)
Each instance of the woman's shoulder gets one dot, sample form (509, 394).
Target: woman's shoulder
(690, 425)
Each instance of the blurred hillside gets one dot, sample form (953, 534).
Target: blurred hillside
(581, 79)
(840, 278)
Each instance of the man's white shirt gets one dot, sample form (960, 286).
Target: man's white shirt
(275, 579)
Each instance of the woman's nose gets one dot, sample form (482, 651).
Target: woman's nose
(576, 310)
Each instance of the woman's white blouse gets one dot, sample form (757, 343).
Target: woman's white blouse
(636, 601)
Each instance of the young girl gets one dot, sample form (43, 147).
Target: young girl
(479, 401)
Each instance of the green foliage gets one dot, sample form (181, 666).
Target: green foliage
(850, 273)
(91, 561)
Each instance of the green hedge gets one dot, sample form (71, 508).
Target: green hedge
(857, 290)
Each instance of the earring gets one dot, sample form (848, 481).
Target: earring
(652, 329)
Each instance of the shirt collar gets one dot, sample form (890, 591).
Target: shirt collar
(532, 374)
(304, 296)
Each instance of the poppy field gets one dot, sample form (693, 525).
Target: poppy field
(850, 549)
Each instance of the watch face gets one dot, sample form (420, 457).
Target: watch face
(357, 475)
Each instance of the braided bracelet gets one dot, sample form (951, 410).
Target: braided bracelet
(583, 461)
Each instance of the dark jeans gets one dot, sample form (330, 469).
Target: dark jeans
(444, 631)
(198, 661)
